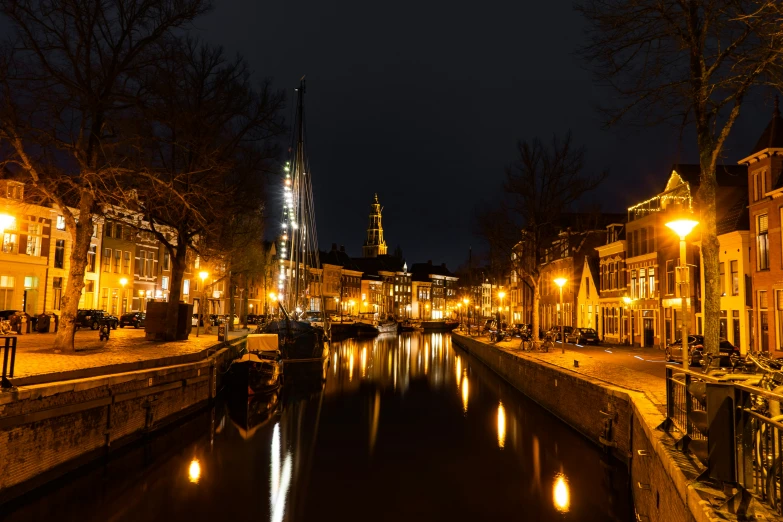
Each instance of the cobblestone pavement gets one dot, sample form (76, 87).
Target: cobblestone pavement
(35, 355)
(638, 369)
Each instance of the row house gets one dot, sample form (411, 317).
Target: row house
(443, 297)
(612, 286)
(35, 257)
(588, 298)
(641, 302)
(764, 167)
(566, 258)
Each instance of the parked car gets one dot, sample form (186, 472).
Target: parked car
(134, 319)
(93, 318)
(696, 351)
(555, 332)
(5, 315)
(582, 336)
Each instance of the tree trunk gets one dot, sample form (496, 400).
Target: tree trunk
(536, 301)
(710, 247)
(178, 256)
(81, 233)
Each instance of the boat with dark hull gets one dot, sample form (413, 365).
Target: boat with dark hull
(366, 330)
(406, 326)
(249, 414)
(439, 326)
(260, 369)
(299, 341)
(342, 330)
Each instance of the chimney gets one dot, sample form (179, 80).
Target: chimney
(334, 247)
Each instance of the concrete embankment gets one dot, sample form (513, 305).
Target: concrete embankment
(49, 429)
(620, 420)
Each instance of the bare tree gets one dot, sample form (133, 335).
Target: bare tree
(693, 62)
(209, 141)
(542, 185)
(66, 94)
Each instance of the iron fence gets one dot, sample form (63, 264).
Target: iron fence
(744, 447)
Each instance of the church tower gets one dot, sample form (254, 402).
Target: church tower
(374, 246)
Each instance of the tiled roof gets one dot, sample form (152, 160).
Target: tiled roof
(732, 207)
(772, 137)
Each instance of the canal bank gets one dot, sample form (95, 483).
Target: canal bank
(49, 429)
(622, 421)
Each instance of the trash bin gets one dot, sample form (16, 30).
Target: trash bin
(222, 333)
(42, 326)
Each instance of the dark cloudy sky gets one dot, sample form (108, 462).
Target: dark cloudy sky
(422, 102)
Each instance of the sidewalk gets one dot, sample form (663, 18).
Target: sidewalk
(127, 349)
(603, 363)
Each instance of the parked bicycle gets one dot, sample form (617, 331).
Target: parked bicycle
(529, 344)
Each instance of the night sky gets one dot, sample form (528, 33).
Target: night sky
(423, 102)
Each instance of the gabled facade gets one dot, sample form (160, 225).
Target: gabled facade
(613, 287)
(765, 205)
(588, 298)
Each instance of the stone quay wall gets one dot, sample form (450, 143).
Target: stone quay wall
(621, 421)
(50, 429)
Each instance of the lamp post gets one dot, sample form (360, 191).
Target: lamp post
(627, 300)
(466, 301)
(203, 276)
(501, 295)
(560, 281)
(683, 227)
(123, 282)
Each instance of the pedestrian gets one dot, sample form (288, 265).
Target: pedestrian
(56, 322)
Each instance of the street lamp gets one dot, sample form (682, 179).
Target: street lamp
(467, 312)
(627, 300)
(203, 276)
(560, 281)
(501, 295)
(683, 227)
(123, 282)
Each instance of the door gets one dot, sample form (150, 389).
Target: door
(649, 332)
(736, 339)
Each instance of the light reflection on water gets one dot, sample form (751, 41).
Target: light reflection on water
(419, 431)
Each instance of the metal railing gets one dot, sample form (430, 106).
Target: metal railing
(743, 444)
(9, 350)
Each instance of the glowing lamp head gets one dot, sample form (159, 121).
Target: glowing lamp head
(627, 300)
(194, 471)
(560, 281)
(123, 281)
(501, 294)
(272, 296)
(203, 275)
(682, 227)
(466, 301)
(6, 221)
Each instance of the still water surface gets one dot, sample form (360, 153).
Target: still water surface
(404, 428)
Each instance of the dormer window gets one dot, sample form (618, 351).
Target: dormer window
(759, 184)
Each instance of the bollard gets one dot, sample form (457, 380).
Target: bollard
(576, 363)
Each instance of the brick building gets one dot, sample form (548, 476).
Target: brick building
(765, 188)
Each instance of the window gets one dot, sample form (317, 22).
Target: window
(643, 242)
(57, 293)
(138, 266)
(60, 223)
(762, 243)
(59, 253)
(670, 277)
(651, 239)
(149, 270)
(7, 292)
(587, 287)
(633, 284)
(33, 245)
(105, 299)
(107, 259)
(167, 263)
(118, 231)
(9, 243)
(642, 283)
(186, 287)
(734, 277)
(126, 263)
(91, 258)
(117, 261)
(109, 228)
(164, 283)
(651, 279)
(722, 272)
(616, 275)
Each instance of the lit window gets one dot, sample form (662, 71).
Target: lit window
(60, 223)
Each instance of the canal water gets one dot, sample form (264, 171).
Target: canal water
(402, 429)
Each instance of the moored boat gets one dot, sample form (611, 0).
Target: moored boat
(406, 326)
(439, 326)
(366, 330)
(259, 370)
(388, 327)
